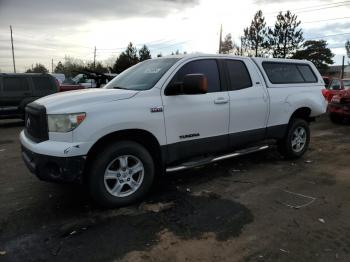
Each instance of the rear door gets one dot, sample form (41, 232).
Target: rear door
(14, 90)
(248, 102)
(197, 124)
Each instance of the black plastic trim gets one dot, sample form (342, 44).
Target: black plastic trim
(54, 169)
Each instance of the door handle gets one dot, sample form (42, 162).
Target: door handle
(221, 100)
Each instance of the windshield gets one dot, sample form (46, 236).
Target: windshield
(346, 84)
(142, 76)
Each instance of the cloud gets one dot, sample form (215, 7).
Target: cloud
(42, 13)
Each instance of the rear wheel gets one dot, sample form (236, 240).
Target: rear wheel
(335, 118)
(121, 174)
(296, 141)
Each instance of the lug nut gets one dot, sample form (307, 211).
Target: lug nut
(128, 179)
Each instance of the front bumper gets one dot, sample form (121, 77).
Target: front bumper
(54, 169)
(54, 161)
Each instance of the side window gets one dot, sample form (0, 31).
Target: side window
(15, 84)
(42, 83)
(282, 73)
(288, 73)
(239, 75)
(335, 85)
(208, 67)
(307, 73)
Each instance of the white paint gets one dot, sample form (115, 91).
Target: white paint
(113, 110)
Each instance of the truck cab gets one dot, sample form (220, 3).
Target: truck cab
(170, 114)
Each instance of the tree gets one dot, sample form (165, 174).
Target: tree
(255, 36)
(38, 68)
(286, 36)
(99, 67)
(159, 55)
(317, 52)
(228, 46)
(59, 68)
(126, 59)
(347, 47)
(144, 53)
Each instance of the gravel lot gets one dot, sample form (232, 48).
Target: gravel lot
(255, 208)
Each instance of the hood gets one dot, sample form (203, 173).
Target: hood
(61, 101)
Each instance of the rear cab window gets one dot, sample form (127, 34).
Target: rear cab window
(289, 73)
(239, 77)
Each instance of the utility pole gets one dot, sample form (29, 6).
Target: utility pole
(342, 68)
(241, 45)
(13, 52)
(51, 65)
(95, 57)
(220, 40)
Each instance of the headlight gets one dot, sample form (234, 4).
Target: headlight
(65, 122)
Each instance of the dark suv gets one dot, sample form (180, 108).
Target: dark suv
(17, 90)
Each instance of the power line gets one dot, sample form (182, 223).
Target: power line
(314, 8)
(326, 20)
(325, 36)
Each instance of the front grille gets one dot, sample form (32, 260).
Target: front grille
(36, 123)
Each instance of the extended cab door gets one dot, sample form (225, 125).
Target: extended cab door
(249, 102)
(196, 124)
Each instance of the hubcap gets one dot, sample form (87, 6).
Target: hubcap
(299, 139)
(124, 175)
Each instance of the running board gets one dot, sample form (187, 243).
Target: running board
(209, 160)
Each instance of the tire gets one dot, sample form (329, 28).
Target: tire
(335, 118)
(298, 133)
(110, 180)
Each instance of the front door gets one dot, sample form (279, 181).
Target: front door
(197, 124)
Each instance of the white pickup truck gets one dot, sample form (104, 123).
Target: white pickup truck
(169, 114)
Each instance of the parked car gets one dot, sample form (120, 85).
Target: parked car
(335, 87)
(339, 107)
(170, 114)
(59, 77)
(82, 80)
(18, 90)
(68, 87)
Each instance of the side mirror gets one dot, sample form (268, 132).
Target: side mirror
(195, 84)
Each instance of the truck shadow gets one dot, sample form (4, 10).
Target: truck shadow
(66, 220)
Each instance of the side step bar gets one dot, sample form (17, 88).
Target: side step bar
(209, 160)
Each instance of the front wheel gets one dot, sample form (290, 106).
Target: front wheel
(121, 174)
(296, 141)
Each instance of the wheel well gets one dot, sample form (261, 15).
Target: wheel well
(303, 113)
(142, 137)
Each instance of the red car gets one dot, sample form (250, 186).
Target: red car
(69, 87)
(339, 107)
(335, 87)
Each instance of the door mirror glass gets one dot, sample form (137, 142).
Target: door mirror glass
(195, 84)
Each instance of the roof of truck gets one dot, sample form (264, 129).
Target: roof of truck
(258, 59)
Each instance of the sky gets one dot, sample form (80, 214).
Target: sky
(46, 30)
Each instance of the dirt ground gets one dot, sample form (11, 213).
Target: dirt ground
(255, 208)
